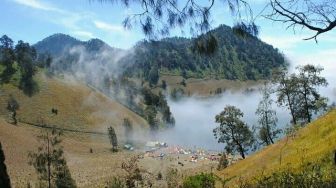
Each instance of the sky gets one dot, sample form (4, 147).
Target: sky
(33, 20)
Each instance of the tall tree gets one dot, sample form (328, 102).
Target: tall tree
(233, 131)
(113, 138)
(49, 161)
(287, 92)
(309, 80)
(25, 56)
(7, 58)
(267, 117)
(128, 130)
(4, 178)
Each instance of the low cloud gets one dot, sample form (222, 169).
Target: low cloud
(37, 5)
(108, 27)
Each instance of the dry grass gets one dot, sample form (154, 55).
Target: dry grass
(310, 144)
(203, 87)
(78, 106)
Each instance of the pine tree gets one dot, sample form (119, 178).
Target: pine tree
(50, 163)
(113, 139)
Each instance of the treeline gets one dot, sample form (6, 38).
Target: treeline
(235, 58)
(18, 64)
(298, 92)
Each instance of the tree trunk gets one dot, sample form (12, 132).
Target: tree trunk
(241, 151)
(268, 129)
(291, 108)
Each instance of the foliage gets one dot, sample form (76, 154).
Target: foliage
(13, 106)
(115, 183)
(299, 92)
(199, 181)
(223, 162)
(49, 161)
(25, 57)
(233, 131)
(311, 175)
(235, 58)
(267, 118)
(157, 103)
(4, 177)
(132, 170)
(7, 58)
(113, 138)
(18, 60)
(164, 85)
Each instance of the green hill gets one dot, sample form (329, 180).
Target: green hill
(236, 58)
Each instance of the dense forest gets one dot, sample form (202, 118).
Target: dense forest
(236, 57)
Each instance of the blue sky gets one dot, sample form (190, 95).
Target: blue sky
(33, 20)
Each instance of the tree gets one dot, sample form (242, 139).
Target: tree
(299, 92)
(49, 161)
(309, 80)
(159, 17)
(4, 178)
(153, 75)
(287, 93)
(163, 85)
(267, 117)
(223, 162)
(7, 58)
(233, 131)
(113, 139)
(318, 16)
(128, 130)
(13, 106)
(25, 56)
(151, 119)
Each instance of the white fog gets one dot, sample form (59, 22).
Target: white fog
(195, 117)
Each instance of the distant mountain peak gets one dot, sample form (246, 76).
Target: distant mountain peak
(59, 43)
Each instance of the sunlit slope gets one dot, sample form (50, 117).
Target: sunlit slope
(78, 106)
(314, 143)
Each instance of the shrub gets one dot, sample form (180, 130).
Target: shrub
(199, 181)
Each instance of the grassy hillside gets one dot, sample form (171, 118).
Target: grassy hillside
(314, 144)
(79, 107)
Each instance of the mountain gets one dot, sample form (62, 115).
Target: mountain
(56, 44)
(59, 45)
(235, 58)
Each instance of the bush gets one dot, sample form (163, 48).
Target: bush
(199, 181)
(115, 183)
(311, 175)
